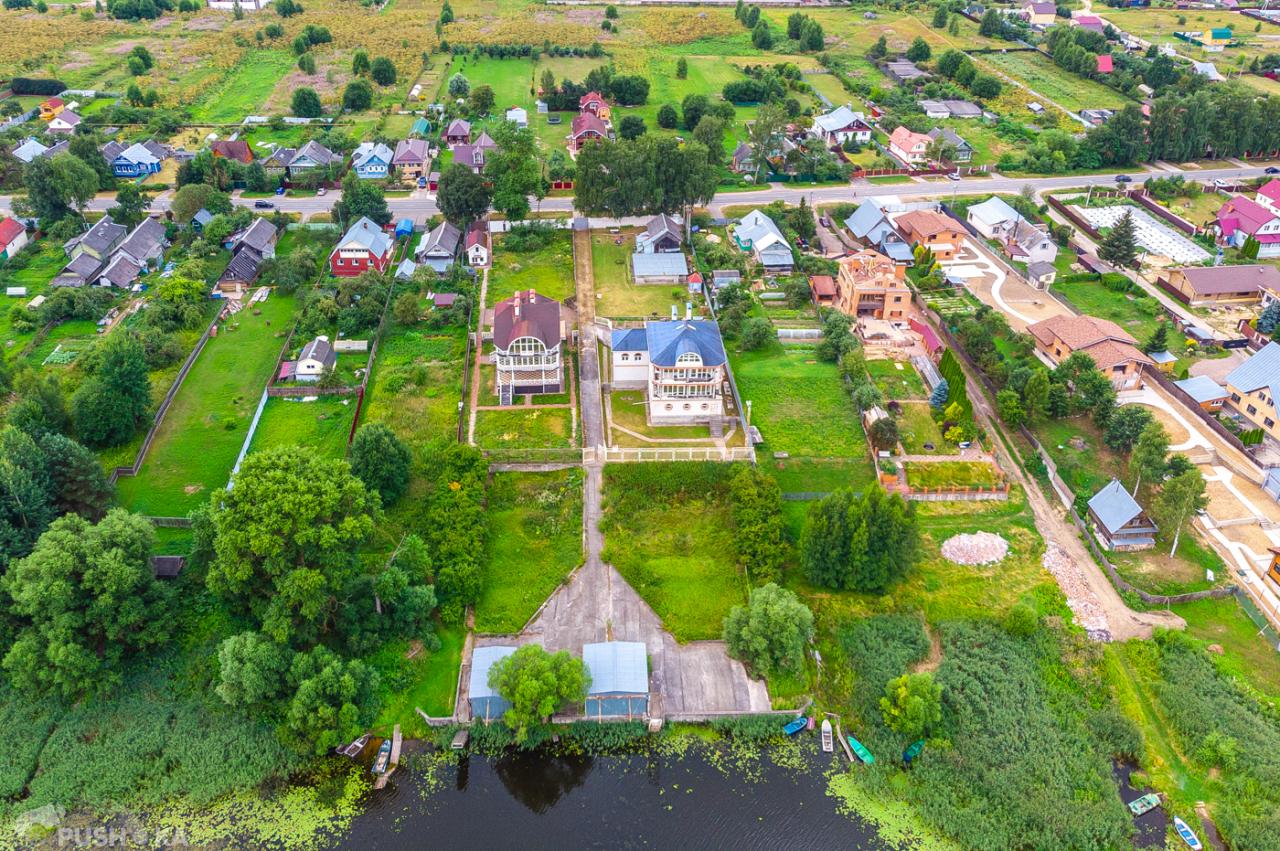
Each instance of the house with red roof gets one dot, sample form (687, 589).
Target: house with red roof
(1105, 63)
(13, 236)
(232, 149)
(1269, 196)
(477, 244)
(909, 147)
(1092, 23)
(586, 127)
(1240, 218)
(594, 103)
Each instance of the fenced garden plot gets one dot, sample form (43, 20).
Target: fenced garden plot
(548, 270)
(322, 424)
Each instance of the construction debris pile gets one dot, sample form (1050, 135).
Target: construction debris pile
(1080, 597)
(979, 548)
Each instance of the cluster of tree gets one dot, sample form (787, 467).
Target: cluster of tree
(454, 524)
(361, 198)
(757, 521)
(537, 684)
(513, 170)
(749, 17)
(1077, 50)
(223, 173)
(354, 306)
(138, 10)
(58, 189)
(762, 85)
(505, 51)
(693, 109)
(288, 8)
(43, 86)
(298, 576)
(955, 65)
(310, 36)
(805, 31)
(381, 69)
(996, 24)
(624, 89)
(644, 176)
(139, 60)
(859, 543)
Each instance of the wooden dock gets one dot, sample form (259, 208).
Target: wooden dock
(844, 743)
(394, 762)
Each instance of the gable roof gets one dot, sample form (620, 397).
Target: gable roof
(477, 234)
(367, 152)
(244, 266)
(232, 149)
(759, 231)
(994, 211)
(1241, 213)
(441, 240)
(617, 667)
(629, 340)
(315, 152)
(1113, 506)
(589, 97)
(1207, 69)
(29, 150)
(66, 117)
(319, 349)
(10, 229)
(1041, 269)
(588, 122)
(459, 127)
(669, 339)
(1270, 190)
(121, 271)
(868, 222)
(526, 314)
(927, 223)
(367, 235)
(472, 156)
(840, 118)
(144, 241)
(258, 236)
(906, 139)
(660, 226)
(1212, 280)
(202, 216)
(1105, 63)
(1260, 370)
(951, 137)
(1078, 332)
(280, 157)
(102, 237)
(1202, 389)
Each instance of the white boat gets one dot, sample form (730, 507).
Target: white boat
(828, 744)
(1188, 835)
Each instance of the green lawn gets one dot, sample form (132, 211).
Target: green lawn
(1248, 654)
(201, 436)
(416, 383)
(678, 554)
(916, 428)
(46, 260)
(949, 474)
(897, 379)
(431, 682)
(1087, 468)
(627, 410)
(798, 403)
(617, 293)
(1135, 312)
(1058, 85)
(812, 475)
(535, 428)
(321, 425)
(535, 540)
(245, 89)
(548, 271)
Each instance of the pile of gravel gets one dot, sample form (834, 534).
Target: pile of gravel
(978, 548)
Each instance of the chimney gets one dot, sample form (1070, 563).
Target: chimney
(674, 314)
(688, 311)
(517, 306)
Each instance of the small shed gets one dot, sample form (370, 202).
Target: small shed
(1164, 361)
(404, 228)
(1121, 523)
(1204, 391)
(486, 704)
(619, 679)
(659, 268)
(167, 567)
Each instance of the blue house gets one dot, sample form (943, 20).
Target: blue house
(137, 160)
(372, 160)
(486, 704)
(619, 679)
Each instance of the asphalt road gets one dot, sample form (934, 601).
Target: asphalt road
(420, 207)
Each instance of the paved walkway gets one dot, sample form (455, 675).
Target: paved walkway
(993, 285)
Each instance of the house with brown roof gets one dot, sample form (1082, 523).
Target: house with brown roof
(586, 127)
(940, 233)
(823, 290)
(477, 244)
(232, 149)
(594, 103)
(1201, 285)
(872, 285)
(410, 159)
(1112, 348)
(527, 334)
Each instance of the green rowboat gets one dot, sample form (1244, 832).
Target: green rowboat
(862, 753)
(1145, 804)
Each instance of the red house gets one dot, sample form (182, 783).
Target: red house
(594, 103)
(586, 126)
(364, 248)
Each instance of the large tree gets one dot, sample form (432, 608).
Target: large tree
(860, 543)
(912, 705)
(757, 521)
(305, 102)
(1119, 245)
(537, 684)
(1179, 499)
(1150, 456)
(769, 633)
(56, 187)
(463, 196)
(194, 197)
(85, 598)
(764, 135)
(289, 532)
(361, 198)
(113, 402)
(380, 460)
(333, 700)
(130, 207)
(26, 494)
(1125, 425)
(514, 170)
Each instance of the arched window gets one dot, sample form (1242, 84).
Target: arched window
(689, 358)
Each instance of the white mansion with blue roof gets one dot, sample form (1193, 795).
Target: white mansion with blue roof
(680, 364)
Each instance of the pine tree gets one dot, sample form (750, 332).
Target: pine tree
(1159, 341)
(938, 398)
(940, 17)
(1119, 246)
(1269, 318)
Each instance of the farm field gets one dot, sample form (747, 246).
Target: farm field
(1058, 85)
(548, 271)
(202, 433)
(1158, 26)
(617, 293)
(798, 403)
(535, 541)
(321, 425)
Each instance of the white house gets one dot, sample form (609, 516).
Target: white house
(527, 334)
(315, 359)
(681, 366)
(840, 125)
(758, 234)
(477, 245)
(64, 122)
(909, 147)
(993, 218)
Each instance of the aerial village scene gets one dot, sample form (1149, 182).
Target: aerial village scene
(795, 424)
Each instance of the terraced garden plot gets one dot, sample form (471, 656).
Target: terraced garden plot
(1057, 84)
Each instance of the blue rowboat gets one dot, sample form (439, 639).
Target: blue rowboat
(796, 725)
(1187, 834)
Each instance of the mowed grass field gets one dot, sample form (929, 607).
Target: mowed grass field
(548, 271)
(1058, 85)
(535, 540)
(245, 89)
(799, 403)
(617, 292)
(321, 426)
(197, 444)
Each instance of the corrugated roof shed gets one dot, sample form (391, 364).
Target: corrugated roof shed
(666, 265)
(1261, 370)
(1202, 388)
(617, 667)
(482, 659)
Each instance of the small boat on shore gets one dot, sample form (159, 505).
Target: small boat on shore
(796, 725)
(1188, 835)
(827, 744)
(861, 751)
(1145, 804)
(383, 759)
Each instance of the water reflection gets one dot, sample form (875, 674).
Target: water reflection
(539, 779)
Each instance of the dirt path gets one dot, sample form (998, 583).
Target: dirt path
(588, 356)
(475, 366)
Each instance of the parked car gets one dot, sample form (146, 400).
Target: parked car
(1221, 184)
(1271, 170)
(1123, 178)
(825, 221)
(264, 205)
(321, 191)
(279, 190)
(955, 175)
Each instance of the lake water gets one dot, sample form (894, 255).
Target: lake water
(542, 800)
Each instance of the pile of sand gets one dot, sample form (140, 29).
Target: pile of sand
(979, 548)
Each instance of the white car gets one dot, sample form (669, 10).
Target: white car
(955, 175)
(321, 191)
